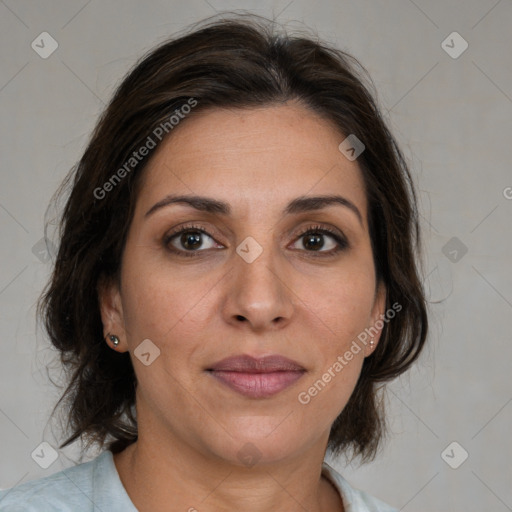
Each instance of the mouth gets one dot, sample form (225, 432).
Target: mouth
(257, 377)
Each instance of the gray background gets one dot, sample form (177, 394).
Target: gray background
(453, 117)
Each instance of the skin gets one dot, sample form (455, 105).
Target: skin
(291, 300)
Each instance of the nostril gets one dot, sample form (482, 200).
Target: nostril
(240, 317)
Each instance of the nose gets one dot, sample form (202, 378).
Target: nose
(258, 293)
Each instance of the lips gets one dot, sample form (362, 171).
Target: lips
(249, 364)
(257, 377)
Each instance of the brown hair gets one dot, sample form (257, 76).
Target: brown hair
(238, 62)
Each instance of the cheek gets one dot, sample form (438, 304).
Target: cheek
(325, 395)
(341, 308)
(343, 304)
(156, 301)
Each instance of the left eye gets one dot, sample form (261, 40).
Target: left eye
(314, 240)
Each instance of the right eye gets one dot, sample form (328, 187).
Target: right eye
(188, 240)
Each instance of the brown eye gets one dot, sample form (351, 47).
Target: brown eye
(313, 241)
(189, 240)
(321, 240)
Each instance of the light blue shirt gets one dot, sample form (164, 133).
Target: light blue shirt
(95, 486)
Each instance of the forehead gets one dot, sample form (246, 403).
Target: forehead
(258, 158)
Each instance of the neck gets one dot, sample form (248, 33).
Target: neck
(156, 475)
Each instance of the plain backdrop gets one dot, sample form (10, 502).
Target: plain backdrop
(451, 110)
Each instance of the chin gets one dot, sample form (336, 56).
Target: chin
(261, 440)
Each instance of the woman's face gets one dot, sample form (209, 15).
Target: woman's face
(244, 280)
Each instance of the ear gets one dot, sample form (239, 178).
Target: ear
(377, 316)
(111, 309)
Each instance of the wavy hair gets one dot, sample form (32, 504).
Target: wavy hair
(235, 62)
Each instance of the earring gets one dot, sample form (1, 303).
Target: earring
(372, 343)
(114, 339)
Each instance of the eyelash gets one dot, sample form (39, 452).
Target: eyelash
(341, 242)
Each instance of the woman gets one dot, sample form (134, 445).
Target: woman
(236, 279)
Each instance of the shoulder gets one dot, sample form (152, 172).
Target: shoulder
(55, 492)
(354, 500)
(82, 487)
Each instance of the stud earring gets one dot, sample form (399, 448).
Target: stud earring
(114, 339)
(372, 343)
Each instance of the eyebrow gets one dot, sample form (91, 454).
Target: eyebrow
(298, 205)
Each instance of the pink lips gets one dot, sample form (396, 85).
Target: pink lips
(257, 377)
